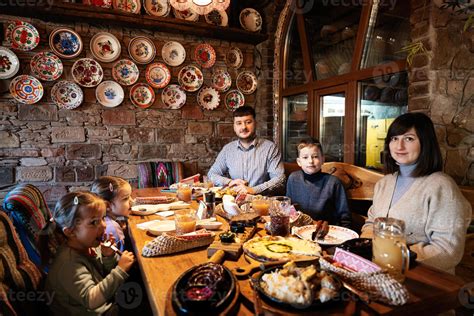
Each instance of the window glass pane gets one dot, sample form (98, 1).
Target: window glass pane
(332, 31)
(295, 124)
(294, 73)
(381, 100)
(332, 126)
(388, 32)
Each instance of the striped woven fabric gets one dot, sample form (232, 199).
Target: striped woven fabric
(158, 174)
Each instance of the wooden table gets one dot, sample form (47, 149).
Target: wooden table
(431, 291)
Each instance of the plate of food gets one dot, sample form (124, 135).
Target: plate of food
(335, 236)
(274, 248)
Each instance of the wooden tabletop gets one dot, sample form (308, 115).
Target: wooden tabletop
(431, 291)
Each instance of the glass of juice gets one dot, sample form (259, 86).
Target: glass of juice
(185, 221)
(261, 205)
(184, 192)
(389, 249)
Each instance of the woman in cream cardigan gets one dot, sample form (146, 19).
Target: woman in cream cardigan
(415, 190)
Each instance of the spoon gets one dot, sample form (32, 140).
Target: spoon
(108, 244)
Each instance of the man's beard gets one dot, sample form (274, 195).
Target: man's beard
(248, 138)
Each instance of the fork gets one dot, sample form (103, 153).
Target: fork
(257, 304)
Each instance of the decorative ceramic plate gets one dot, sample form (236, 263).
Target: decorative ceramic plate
(105, 47)
(157, 7)
(188, 15)
(173, 96)
(250, 20)
(9, 63)
(131, 6)
(173, 53)
(125, 72)
(87, 72)
(109, 93)
(234, 58)
(217, 17)
(234, 99)
(46, 66)
(65, 43)
(190, 78)
(10, 25)
(142, 50)
(158, 75)
(205, 55)
(208, 98)
(67, 95)
(336, 235)
(221, 80)
(98, 3)
(26, 89)
(142, 95)
(24, 37)
(246, 82)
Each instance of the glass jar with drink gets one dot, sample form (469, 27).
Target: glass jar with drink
(185, 221)
(184, 192)
(261, 205)
(280, 207)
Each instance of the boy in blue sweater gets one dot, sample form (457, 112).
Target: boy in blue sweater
(320, 195)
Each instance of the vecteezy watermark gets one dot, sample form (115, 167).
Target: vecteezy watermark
(466, 295)
(129, 295)
(301, 6)
(47, 4)
(30, 296)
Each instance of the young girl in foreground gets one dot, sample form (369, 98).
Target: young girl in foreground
(117, 194)
(84, 275)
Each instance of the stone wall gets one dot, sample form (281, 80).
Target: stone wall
(62, 150)
(442, 84)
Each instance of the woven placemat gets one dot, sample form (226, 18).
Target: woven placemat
(166, 244)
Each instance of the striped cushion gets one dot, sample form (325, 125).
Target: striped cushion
(158, 174)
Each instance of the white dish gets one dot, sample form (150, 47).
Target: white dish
(336, 235)
(105, 47)
(159, 227)
(173, 96)
(210, 225)
(157, 7)
(9, 63)
(67, 95)
(208, 98)
(142, 50)
(173, 53)
(109, 93)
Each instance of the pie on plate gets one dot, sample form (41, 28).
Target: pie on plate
(273, 248)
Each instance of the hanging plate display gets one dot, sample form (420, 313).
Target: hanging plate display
(131, 6)
(188, 15)
(246, 82)
(157, 7)
(158, 75)
(67, 95)
(65, 43)
(26, 89)
(87, 72)
(234, 99)
(173, 53)
(46, 66)
(142, 50)
(190, 78)
(109, 93)
(99, 3)
(205, 55)
(217, 17)
(234, 58)
(250, 20)
(24, 37)
(208, 98)
(125, 72)
(142, 95)
(173, 96)
(9, 63)
(8, 31)
(221, 80)
(105, 47)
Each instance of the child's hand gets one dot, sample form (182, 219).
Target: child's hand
(126, 260)
(107, 251)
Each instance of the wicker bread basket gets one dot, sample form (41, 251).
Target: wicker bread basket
(166, 244)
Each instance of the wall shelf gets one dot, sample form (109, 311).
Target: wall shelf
(63, 12)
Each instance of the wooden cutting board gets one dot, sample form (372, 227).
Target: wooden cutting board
(232, 250)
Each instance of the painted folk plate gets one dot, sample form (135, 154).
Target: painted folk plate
(125, 72)
(105, 47)
(208, 98)
(142, 50)
(158, 75)
(187, 15)
(109, 93)
(8, 31)
(142, 95)
(65, 43)
(173, 96)
(190, 78)
(234, 58)
(24, 37)
(157, 7)
(250, 20)
(221, 80)
(87, 72)
(217, 17)
(98, 3)
(67, 95)
(205, 55)
(173, 53)
(131, 6)
(9, 63)
(46, 66)
(234, 99)
(246, 82)
(26, 89)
